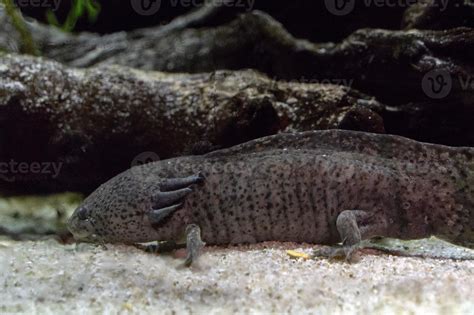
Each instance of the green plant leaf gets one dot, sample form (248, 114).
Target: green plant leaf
(28, 44)
(78, 10)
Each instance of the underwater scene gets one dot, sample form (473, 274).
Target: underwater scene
(237, 157)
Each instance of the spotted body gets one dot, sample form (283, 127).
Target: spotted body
(315, 187)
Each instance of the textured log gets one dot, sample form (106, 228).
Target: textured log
(439, 14)
(93, 122)
(390, 65)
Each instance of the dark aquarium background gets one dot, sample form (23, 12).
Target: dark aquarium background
(91, 88)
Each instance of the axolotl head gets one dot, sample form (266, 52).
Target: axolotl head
(119, 212)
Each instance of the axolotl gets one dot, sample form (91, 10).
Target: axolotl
(323, 187)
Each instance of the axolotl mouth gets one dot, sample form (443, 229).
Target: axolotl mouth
(81, 225)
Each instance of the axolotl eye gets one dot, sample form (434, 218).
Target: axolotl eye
(82, 213)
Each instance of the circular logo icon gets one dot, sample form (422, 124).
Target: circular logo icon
(437, 84)
(146, 7)
(144, 158)
(141, 159)
(340, 7)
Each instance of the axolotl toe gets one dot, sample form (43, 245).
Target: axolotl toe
(317, 187)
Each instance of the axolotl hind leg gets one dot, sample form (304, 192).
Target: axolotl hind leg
(354, 226)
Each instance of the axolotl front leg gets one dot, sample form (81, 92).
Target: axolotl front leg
(193, 245)
(165, 202)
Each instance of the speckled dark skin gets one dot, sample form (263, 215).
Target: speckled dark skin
(316, 187)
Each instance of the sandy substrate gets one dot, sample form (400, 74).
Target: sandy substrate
(46, 277)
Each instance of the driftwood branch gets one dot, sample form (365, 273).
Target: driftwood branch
(439, 14)
(390, 65)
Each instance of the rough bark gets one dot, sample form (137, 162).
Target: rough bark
(439, 14)
(95, 121)
(387, 64)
